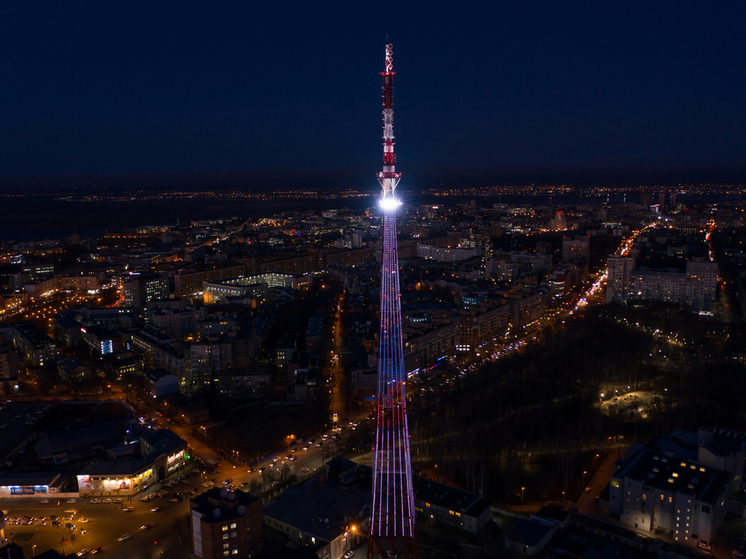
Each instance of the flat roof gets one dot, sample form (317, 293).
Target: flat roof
(320, 507)
(121, 467)
(218, 504)
(449, 497)
(28, 478)
(671, 474)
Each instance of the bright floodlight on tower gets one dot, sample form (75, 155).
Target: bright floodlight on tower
(389, 203)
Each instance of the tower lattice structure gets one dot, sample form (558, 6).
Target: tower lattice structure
(392, 525)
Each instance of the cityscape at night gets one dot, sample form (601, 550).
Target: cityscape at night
(231, 328)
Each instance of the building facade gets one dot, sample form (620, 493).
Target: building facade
(226, 524)
(657, 490)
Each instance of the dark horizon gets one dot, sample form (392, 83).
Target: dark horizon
(262, 96)
(339, 180)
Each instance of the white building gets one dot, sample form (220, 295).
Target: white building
(656, 490)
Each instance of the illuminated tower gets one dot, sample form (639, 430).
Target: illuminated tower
(392, 523)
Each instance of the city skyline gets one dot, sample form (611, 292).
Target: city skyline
(589, 94)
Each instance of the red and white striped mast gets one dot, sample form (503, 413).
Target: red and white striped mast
(388, 178)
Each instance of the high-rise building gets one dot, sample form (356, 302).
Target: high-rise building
(139, 289)
(646, 198)
(226, 524)
(618, 280)
(697, 287)
(392, 522)
(579, 247)
(558, 222)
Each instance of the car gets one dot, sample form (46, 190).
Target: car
(69, 525)
(106, 501)
(83, 552)
(319, 445)
(128, 509)
(95, 501)
(146, 526)
(44, 501)
(228, 481)
(82, 530)
(305, 470)
(72, 500)
(83, 519)
(349, 554)
(99, 549)
(123, 537)
(155, 509)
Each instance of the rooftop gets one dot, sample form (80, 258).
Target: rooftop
(320, 507)
(218, 504)
(671, 474)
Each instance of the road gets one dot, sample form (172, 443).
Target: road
(107, 522)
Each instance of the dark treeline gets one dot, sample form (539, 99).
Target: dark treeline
(532, 419)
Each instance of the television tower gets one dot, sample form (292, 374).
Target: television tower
(392, 522)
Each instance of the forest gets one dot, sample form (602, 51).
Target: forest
(533, 418)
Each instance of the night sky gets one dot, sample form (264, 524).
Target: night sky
(289, 92)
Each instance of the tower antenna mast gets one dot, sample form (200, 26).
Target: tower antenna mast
(392, 524)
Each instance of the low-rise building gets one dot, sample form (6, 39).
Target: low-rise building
(321, 513)
(445, 504)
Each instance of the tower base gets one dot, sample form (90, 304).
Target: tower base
(393, 548)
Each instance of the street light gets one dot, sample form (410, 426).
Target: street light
(522, 489)
(583, 484)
